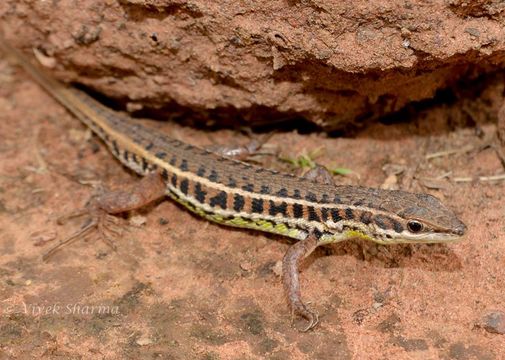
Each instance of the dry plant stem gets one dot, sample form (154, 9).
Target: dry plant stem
(500, 177)
(448, 152)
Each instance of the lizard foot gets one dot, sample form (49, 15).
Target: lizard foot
(304, 311)
(106, 226)
(100, 208)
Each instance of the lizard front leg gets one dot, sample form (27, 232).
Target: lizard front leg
(290, 277)
(299, 251)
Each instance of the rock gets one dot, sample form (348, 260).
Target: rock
(494, 322)
(331, 63)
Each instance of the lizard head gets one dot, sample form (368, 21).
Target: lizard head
(420, 218)
(393, 216)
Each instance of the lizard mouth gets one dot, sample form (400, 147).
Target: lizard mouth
(426, 238)
(435, 238)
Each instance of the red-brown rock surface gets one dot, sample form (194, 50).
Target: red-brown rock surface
(333, 62)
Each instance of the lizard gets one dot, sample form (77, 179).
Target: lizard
(239, 194)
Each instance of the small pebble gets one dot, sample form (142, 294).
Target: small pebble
(246, 266)
(277, 268)
(494, 322)
(138, 220)
(473, 31)
(133, 106)
(377, 305)
(391, 183)
(144, 341)
(78, 136)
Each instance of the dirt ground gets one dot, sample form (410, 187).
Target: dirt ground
(179, 287)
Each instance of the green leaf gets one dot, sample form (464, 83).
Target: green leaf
(341, 171)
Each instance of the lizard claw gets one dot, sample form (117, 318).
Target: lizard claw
(305, 312)
(313, 318)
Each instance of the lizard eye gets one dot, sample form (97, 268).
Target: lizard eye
(414, 226)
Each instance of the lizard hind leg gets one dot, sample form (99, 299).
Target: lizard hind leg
(241, 152)
(97, 219)
(320, 175)
(100, 209)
